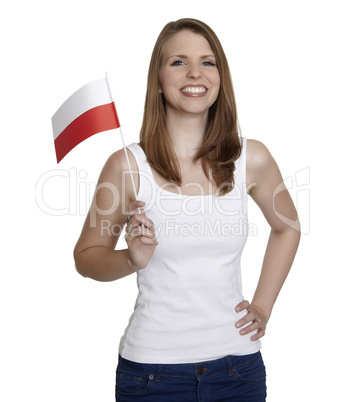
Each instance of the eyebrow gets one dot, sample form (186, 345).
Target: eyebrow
(183, 56)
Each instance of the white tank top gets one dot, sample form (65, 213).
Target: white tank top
(185, 308)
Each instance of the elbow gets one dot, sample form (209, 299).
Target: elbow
(297, 230)
(288, 225)
(291, 232)
(78, 263)
(81, 271)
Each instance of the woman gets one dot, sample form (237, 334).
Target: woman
(191, 337)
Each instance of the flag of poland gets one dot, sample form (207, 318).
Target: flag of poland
(88, 111)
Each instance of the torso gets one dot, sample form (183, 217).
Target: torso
(194, 272)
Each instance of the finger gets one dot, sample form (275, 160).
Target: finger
(242, 306)
(254, 326)
(261, 332)
(140, 231)
(148, 242)
(140, 226)
(135, 206)
(249, 317)
(141, 220)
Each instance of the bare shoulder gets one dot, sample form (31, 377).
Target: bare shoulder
(117, 163)
(258, 154)
(115, 169)
(258, 163)
(116, 160)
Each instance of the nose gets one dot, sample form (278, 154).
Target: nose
(194, 71)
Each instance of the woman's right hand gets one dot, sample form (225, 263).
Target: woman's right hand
(140, 236)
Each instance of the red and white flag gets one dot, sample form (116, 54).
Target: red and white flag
(88, 111)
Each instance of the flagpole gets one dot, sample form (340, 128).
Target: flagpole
(124, 146)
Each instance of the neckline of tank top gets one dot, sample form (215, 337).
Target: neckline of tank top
(160, 189)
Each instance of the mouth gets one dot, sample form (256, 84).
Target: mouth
(194, 90)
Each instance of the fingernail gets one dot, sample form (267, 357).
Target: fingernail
(243, 331)
(238, 324)
(238, 309)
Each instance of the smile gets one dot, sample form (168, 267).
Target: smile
(196, 91)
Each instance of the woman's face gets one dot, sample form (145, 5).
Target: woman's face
(189, 75)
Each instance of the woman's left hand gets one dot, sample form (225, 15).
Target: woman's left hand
(255, 316)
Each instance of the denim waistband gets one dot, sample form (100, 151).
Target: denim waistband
(200, 369)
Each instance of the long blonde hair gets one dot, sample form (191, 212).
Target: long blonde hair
(221, 146)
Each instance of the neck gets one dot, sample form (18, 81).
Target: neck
(186, 133)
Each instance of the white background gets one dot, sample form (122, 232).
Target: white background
(59, 331)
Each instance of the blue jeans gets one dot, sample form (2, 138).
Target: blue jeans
(229, 379)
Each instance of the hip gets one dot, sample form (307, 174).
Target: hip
(237, 378)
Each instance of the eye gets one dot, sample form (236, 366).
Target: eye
(208, 63)
(178, 63)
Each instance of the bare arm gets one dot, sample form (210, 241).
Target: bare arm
(113, 204)
(269, 193)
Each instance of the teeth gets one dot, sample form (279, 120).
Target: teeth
(194, 90)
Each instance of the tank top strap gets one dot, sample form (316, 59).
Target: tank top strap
(140, 158)
(147, 183)
(240, 164)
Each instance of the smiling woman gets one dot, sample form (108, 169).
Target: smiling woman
(188, 76)
(192, 336)
(189, 52)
